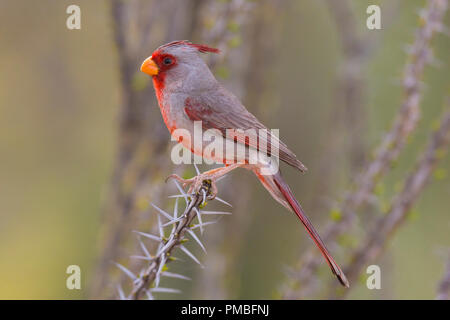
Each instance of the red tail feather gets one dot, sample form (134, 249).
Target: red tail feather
(293, 203)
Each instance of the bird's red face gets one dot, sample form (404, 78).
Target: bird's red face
(158, 63)
(157, 66)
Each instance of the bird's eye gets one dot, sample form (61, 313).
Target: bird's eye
(167, 61)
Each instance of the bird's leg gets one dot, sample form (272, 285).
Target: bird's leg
(211, 176)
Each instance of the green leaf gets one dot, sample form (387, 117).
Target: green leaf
(379, 189)
(233, 26)
(235, 42)
(222, 72)
(335, 214)
(440, 174)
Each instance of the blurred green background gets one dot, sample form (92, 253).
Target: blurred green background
(59, 107)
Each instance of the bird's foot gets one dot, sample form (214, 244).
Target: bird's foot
(196, 183)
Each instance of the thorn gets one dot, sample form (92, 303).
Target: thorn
(158, 251)
(204, 224)
(192, 233)
(183, 248)
(162, 212)
(126, 271)
(121, 294)
(175, 218)
(172, 258)
(144, 248)
(223, 201)
(184, 194)
(204, 196)
(149, 295)
(199, 216)
(148, 235)
(160, 228)
(196, 169)
(172, 222)
(141, 258)
(175, 209)
(215, 212)
(162, 249)
(174, 275)
(158, 273)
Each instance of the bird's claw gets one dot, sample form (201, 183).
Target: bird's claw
(196, 183)
(184, 182)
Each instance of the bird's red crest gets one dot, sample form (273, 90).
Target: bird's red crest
(200, 47)
(203, 49)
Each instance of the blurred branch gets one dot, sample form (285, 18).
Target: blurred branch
(358, 46)
(347, 120)
(226, 18)
(384, 229)
(141, 159)
(352, 86)
(389, 148)
(443, 292)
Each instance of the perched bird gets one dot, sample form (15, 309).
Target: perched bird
(187, 92)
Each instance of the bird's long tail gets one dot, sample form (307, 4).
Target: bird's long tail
(281, 192)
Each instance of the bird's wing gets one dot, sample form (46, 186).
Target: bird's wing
(222, 110)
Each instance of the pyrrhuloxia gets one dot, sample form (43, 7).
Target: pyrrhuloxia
(187, 91)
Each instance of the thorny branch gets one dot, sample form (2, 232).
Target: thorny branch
(149, 278)
(175, 239)
(402, 203)
(392, 144)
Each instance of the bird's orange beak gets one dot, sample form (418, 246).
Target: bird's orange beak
(149, 67)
